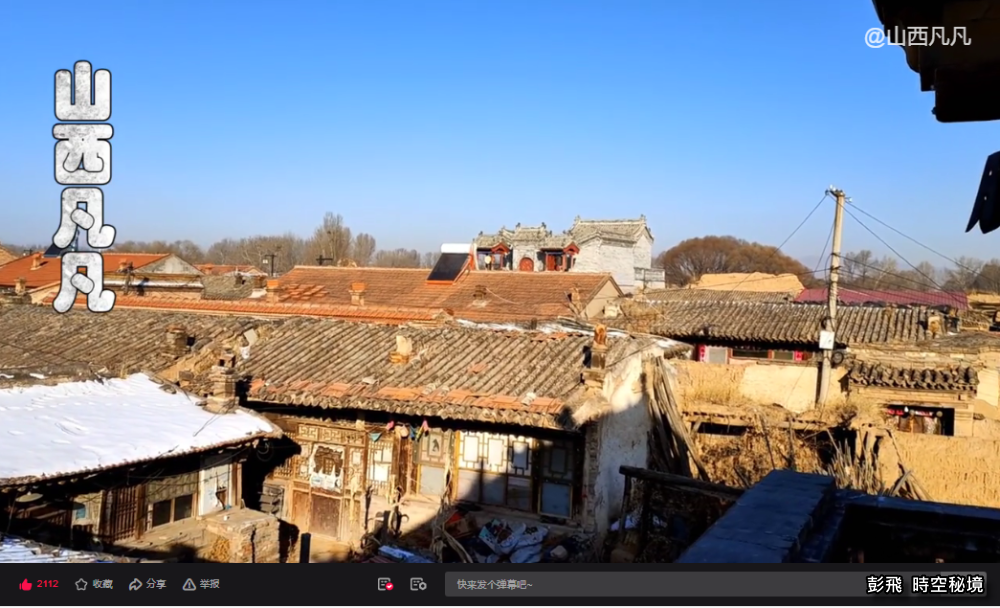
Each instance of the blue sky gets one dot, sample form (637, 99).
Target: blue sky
(424, 122)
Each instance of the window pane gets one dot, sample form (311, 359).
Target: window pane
(431, 480)
(519, 493)
(783, 355)
(714, 354)
(557, 460)
(161, 512)
(494, 489)
(749, 353)
(556, 499)
(468, 485)
(183, 507)
(520, 459)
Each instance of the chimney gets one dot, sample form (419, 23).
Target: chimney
(176, 342)
(593, 376)
(357, 292)
(479, 294)
(272, 290)
(223, 381)
(404, 350)
(574, 296)
(934, 325)
(21, 286)
(36, 261)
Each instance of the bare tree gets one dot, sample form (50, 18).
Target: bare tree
(363, 249)
(397, 258)
(331, 240)
(429, 259)
(963, 274)
(188, 251)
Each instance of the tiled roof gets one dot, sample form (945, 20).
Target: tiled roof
(49, 271)
(957, 378)
(123, 340)
(712, 295)
(224, 269)
(513, 377)
(6, 255)
(619, 230)
(263, 308)
(763, 322)
(902, 297)
(505, 295)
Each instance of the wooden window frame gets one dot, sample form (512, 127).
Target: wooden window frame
(537, 450)
(173, 510)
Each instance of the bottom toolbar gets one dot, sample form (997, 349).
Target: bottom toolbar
(443, 584)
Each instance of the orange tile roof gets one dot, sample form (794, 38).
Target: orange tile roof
(250, 308)
(6, 255)
(50, 273)
(507, 295)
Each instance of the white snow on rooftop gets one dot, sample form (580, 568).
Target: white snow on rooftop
(19, 551)
(50, 431)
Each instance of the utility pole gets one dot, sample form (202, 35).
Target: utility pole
(826, 371)
(269, 260)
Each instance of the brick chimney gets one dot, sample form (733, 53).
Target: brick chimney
(176, 343)
(272, 290)
(357, 292)
(479, 294)
(404, 350)
(223, 381)
(21, 286)
(593, 375)
(36, 261)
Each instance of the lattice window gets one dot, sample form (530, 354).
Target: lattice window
(558, 474)
(380, 460)
(432, 457)
(495, 469)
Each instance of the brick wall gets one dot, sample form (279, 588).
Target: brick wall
(249, 537)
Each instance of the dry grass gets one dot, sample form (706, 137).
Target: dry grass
(741, 461)
(854, 471)
(721, 393)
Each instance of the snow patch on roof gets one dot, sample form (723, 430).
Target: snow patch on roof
(19, 551)
(75, 427)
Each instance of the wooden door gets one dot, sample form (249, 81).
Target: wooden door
(526, 265)
(121, 514)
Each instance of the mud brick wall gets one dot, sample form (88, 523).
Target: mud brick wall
(253, 537)
(960, 470)
(988, 364)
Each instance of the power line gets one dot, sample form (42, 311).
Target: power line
(913, 240)
(890, 247)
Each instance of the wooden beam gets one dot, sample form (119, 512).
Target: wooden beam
(682, 483)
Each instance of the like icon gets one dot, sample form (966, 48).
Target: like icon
(25, 585)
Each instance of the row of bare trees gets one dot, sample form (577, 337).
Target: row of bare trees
(332, 243)
(864, 270)
(687, 261)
